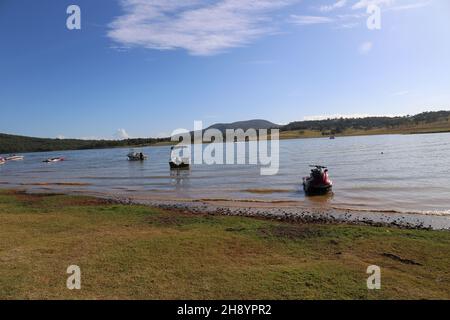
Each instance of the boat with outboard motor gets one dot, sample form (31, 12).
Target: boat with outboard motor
(14, 158)
(57, 159)
(137, 156)
(178, 161)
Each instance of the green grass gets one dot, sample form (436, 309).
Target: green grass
(434, 127)
(136, 252)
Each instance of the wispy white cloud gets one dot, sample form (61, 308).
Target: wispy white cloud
(121, 134)
(208, 27)
(202, 27)
(392, 5)
(353, 15)
(349, 16)
(309, 20)
(337, 5)
(409, 6)
(363, 4)
(350, 20)
(365, 47)
(349, 25)
(400, 93)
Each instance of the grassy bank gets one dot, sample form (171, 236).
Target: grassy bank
(140, 252)
(435, 127)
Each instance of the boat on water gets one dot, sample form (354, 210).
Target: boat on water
(14, 158)
(178, 161)
(318, 183)
(2, 161)
(57, 159)
(137, 156)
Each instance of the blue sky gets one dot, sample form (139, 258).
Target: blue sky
(144, 68)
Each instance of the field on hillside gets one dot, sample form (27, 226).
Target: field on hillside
(435, 127)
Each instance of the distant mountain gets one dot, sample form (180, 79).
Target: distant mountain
(426, 122)
(245, 125)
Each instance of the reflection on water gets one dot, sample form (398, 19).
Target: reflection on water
(320, 200)
(409, 173)
(180, 178)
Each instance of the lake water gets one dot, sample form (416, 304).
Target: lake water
(404, 173)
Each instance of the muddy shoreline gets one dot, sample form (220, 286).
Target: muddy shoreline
(282, 211)
(296, 214)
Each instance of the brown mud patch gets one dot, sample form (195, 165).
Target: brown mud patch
(400, 259)
(29, 198)
(79, 184)
(266, 191)
(249, 203)
(85, 202)
(237, 229)
(38, 198)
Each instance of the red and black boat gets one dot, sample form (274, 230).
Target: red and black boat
(318, 182)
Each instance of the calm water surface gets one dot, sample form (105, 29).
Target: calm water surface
(406, 173)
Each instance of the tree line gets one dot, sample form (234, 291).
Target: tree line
(339, 125)
(20, 144)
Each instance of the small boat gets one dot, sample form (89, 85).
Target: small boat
(318, 183)
(136, 156)
(332, 137)
(2, 161)
(178, 162)
(182, 165)
(14, 158)
(58, 159)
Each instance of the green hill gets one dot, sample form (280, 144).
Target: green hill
(426, 122)
(245, 125)
(338, 125)
(18, 144)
